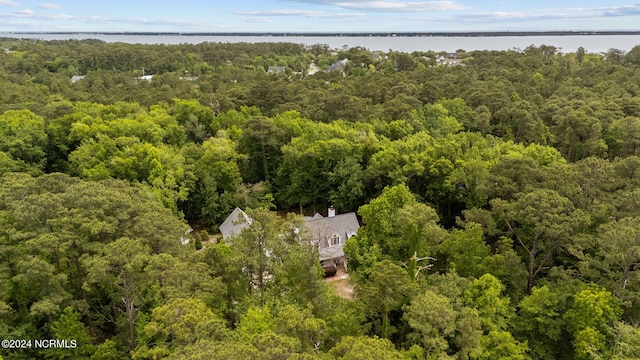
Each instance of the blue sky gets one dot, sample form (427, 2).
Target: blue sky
(316, 15)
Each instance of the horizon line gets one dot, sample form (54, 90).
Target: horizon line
(338, 34)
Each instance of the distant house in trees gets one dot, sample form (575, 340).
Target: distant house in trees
(313, 69)
(234, 223)
(449, 61)
(76, 78)
(377, 56)
(328, 234)
(338, 65)
(453, 62)
(275, 70)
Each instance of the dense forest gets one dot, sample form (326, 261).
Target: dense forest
(498, 193)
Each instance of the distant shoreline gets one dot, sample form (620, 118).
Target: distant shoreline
(336, 34)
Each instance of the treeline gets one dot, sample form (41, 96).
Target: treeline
(499, 201)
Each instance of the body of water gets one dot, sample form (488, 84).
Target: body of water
(566, 43)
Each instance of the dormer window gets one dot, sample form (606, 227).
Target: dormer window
(334, 240)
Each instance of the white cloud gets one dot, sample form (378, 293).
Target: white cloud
(304, 13)
(624, 10)
(257, 20)
(147, 23)
(50, 6)
(8, 3)
(540, 14)
(345, 15)
(25, 12)
(389, 5)
(33, 16)
(408, 6)
(97, 20)
(46, 18)
(61, 16)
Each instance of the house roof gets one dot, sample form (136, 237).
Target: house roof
(315, 216)
(321, 228)
(75, 78)
(344, 225)
(234, 223)
(453, 62)
(338, 65)
(275, 70)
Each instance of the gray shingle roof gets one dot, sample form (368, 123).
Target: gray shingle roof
(315, 216)
(338, 65)
(234, 223)
(323, 228)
